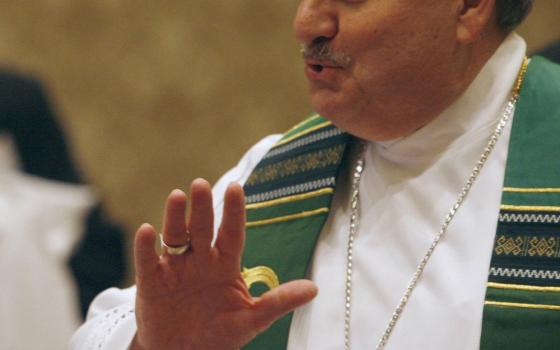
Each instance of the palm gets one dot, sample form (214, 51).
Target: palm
(199, 300)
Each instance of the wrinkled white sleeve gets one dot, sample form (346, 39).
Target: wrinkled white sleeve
(111, 323)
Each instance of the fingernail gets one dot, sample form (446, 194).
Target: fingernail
(177, 191)
(145, 226)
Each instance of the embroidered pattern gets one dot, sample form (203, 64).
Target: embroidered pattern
(301, 166)
(260, 274)
(519, 255)
(509, 245)
(543, 247)
(106, 324)
(527, 246)
(549, 218)
(525, 273)
(305, 162)
(303, 142)
(290, 199)
(290, 190)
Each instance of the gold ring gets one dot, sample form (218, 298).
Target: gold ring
(174, 250)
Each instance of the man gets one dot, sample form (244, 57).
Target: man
(425, 84)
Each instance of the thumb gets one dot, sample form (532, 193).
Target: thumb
(280, 301)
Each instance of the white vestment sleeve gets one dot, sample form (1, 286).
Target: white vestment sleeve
(111, 322)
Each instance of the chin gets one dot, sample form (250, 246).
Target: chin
(330, 105)
(346, 116)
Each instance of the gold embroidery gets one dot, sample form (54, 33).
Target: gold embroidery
(287, 217)
(531, 190)
(523, 287)
(509, 245)
(529, 208)
(260, 274)
(302, 133)
(533, 246)
(542, 246)
(521, 305)
(305, 162)
(289, 199)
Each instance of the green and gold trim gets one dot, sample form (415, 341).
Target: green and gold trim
(260, 274)
(531, 190)
(532, 246)
(309, 125)
(275, 220)
(531, 199)
(522, 303)
(502, 294)
(523, 287)
(533, 208)
(523, 306)
(288, 198)
(312, 161)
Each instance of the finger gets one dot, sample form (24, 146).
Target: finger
(280, 301)
(145, 256)
(174, 222)
(201, 216)
(231, 235)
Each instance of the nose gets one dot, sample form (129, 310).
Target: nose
(315, 20)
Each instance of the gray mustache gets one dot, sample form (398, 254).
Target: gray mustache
(323, 52)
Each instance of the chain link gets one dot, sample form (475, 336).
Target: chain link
(355, 203)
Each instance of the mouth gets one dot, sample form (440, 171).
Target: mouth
(318, 70)
(318, 66)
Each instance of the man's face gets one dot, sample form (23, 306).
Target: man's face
(375, 67)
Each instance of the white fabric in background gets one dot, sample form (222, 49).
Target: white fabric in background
(407, 188)
(40, 222)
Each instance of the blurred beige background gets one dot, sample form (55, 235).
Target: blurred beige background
(156, 93)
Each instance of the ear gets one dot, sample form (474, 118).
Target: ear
(473, 17)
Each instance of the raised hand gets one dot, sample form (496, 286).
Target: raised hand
(198, 299)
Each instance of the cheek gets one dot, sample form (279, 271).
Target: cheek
(393, 57)
(376, 69)
(383, 47)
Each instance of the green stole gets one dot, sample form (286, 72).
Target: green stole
(290, 191)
